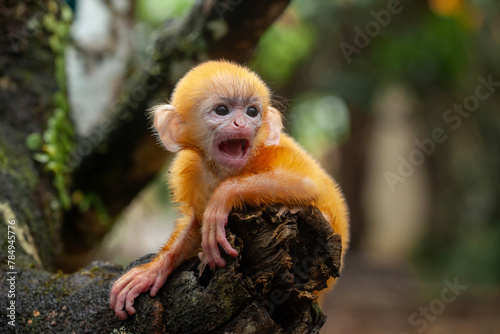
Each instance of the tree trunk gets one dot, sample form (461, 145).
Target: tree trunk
(268, 288)
(32, 99)
(63, 192)
(57, 199)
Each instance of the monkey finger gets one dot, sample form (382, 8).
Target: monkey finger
(226, 245)
(158, 284)
(206, 258)
(209, 258)
(219, 261)
(120, 301)
(207, 244)
(115, 291)
(222, 240)
(132, 295)
(214, 248)
(119, 285)
(127, 277)
(130, 309)
(211, 262)
(203, 263)
(112, 299)
(121, 314)
(221, 235)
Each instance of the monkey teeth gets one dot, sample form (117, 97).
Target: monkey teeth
(234, 148)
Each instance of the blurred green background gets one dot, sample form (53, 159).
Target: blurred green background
(399, 101)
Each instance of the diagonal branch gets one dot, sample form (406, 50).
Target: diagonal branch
(269, 287)
(121, 157)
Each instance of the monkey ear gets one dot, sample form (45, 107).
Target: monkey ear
(274, 124)
(168, 124)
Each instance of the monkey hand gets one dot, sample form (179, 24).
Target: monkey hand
(140, 279)
(214, 234)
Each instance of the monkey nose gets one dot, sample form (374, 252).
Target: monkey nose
(239, 123)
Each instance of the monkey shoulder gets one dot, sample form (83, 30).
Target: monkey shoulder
(289, 154)
(292, 157)
(186, 162)
(184, 173)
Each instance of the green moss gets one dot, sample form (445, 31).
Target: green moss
(121, 330)
(53, 7)
(88, 200)
(17, 166)
(4, 160)
(58, 137)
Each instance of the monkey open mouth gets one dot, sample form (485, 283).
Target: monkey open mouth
(234, 148)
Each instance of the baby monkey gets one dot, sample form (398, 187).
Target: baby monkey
(232, 152)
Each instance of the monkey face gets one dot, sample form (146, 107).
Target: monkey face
(222, 111)
(233, 125)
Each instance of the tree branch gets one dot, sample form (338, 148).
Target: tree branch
(125, 157)
(268, 288)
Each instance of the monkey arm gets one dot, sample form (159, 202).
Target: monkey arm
(182, 244)
(277, 186)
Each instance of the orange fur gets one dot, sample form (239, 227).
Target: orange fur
(282, 164)
(276, 170)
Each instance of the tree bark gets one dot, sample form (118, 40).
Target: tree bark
(64, 211)
(284, 255)
(29, 96)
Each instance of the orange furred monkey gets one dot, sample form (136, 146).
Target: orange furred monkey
(232, 151)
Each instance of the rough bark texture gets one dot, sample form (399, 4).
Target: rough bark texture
(283, 257)
(27, 89)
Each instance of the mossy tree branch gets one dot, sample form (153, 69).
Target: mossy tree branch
(283, 256)
(268, 288)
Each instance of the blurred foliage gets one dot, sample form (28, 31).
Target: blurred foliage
(316, 120)
(155, 12)
(476, 254)
(436, 49)
(439, 45)
(319, 121)
(283, 47)
(57, 141)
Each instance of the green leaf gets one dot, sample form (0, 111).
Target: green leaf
(34, 141)
(66, 14)
(50, 135)
(41, 157)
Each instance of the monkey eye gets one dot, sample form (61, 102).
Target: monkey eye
(252, 112)
(221, 110)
